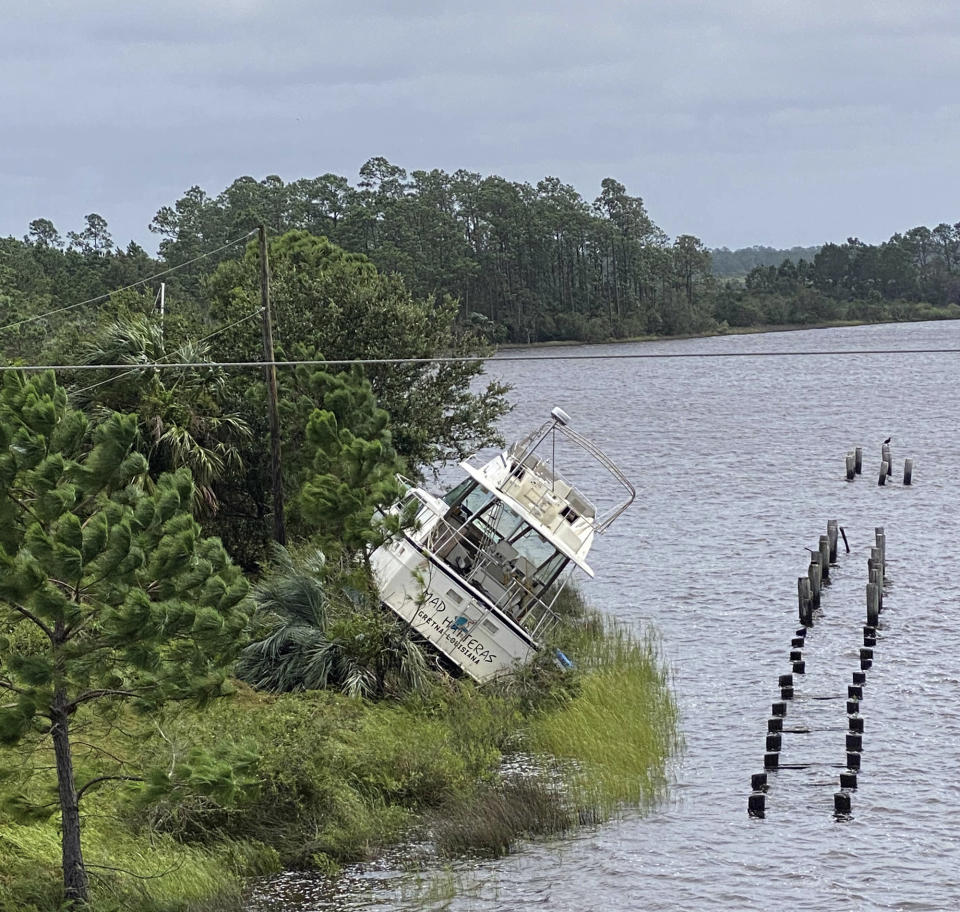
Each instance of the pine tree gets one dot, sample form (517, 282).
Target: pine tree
(108, 592)
(353, 466)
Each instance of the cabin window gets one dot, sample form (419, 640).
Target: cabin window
(455, 496)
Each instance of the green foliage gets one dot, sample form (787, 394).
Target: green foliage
(185, 419)
(328, 300)
(353, 473)
(124, 598)
(325, 629)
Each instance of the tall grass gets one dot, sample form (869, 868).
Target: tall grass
(146, 872)
(614, 737)
(596, 739)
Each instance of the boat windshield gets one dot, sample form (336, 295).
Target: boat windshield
(492, 528)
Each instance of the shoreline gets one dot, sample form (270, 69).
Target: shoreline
(730, 331)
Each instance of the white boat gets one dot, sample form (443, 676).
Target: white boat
(478, 572)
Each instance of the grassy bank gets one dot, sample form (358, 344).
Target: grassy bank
(317, 779)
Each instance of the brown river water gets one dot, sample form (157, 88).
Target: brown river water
(739, 463)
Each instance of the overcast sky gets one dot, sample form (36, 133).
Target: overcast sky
(741, 122)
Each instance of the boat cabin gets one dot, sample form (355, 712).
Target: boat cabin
(479, 571)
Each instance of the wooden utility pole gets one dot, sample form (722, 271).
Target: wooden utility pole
(279, 526)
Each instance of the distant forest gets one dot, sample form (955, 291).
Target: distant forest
(726, 263)
(525, 263)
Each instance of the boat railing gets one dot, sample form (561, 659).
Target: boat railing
(523, 453)
(507, 581)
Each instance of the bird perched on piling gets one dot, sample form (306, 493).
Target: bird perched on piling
(888, 440)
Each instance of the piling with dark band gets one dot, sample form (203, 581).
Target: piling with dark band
(832, 527)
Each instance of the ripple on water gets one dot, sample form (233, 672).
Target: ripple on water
(739, 464)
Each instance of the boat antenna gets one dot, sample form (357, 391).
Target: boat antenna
(562, 418)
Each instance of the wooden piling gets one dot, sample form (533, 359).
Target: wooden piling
(841, 804)
(873, 612)
(858, 460)
(756, 805)
(882, 480)
(804, 601)
(775, 724)
(848, 780)
(824, 546)
(851, 469)
(814, 574)
(873, 605)
(887, 458)
(907, 471)
(832, 539)
(758, 782)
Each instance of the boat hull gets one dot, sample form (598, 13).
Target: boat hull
(453, 616)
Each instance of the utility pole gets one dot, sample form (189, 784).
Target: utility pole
(279, 526)
(163, 301)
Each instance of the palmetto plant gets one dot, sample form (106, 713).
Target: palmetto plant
(323, 631)
(184, 418)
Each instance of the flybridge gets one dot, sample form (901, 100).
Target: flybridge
(478, 574)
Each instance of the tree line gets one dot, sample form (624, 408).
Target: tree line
(523, 262)
(912, 276)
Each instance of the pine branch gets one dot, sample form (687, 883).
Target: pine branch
(6, 685)
(100, 750)
(30, 616)
(99, 779)
(96, 695)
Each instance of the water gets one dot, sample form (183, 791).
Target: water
(739, 463)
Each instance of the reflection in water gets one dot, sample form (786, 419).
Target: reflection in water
(739, 463)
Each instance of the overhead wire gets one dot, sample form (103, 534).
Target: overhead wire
(147, 366)
(494, 359)
(136, 284)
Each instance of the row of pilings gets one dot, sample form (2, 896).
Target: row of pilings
(876, 570)
(810, 592)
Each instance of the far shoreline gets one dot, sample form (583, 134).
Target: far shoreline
(730, 331)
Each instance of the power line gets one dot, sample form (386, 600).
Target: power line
(495, 359)
(139, 367)
(108, 294)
